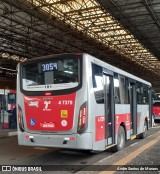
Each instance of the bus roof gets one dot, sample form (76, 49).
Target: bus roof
(117, 70)
(97, 61)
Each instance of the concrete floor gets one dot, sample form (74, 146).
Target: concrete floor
(13, 154)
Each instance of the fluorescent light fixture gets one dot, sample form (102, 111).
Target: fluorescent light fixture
(69, 72)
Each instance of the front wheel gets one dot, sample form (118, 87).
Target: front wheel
(120, 140)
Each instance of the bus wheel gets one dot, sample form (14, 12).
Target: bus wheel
(143, 135)
(120, 140)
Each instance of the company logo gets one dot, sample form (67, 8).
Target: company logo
(6, 168)
(46, 105)
(33, 103)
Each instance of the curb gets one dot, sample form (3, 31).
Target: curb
(12, 133)
(8, 134)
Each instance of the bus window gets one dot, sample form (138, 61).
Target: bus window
(116, 90)
(145, 95)
(139, 93)
(97, 80)
(123, 90)
(41, 75)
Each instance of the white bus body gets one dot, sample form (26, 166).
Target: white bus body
(77, 101)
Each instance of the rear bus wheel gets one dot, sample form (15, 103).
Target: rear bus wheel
(120, 140)
(144, 134)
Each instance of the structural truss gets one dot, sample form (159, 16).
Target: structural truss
(31, 28)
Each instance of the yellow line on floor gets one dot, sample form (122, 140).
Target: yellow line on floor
(131, 156)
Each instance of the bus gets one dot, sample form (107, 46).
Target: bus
(77, 101)
(7, 105)
(7, 99)
(156, 106)
(156, 109)
(157, 96)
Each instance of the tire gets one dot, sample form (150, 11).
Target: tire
(121, 140)
(144, 134)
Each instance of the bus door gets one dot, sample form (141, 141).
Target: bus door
(133, 108)
(109, 107)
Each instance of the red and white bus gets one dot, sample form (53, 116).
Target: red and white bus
(7, 104)
(8, 99)
(77, 101)
(156, 109)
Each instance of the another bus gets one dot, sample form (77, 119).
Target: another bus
(157, 96)
(156, 106)
(77, 101)
(7, 99)
(7, 105)
(156, 109)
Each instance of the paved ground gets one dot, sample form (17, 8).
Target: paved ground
(141, 154)
(13, 154)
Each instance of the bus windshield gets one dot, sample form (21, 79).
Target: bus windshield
(50, 74)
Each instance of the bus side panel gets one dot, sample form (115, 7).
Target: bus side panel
(122, 116)
(97, 120)
(142, 114)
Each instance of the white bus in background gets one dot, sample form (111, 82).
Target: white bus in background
(77, 101)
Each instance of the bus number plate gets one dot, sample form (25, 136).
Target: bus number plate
(47, 125)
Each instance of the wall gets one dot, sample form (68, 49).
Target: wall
(6, 83)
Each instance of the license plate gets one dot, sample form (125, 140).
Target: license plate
(47, 125)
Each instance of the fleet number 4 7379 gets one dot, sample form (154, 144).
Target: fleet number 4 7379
(65, 102)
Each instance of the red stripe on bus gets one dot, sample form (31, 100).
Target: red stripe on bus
(100, 128)
(122, 118)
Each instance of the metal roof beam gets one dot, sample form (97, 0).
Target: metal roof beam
(82, 10)
(50, 4)
(153, 15)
